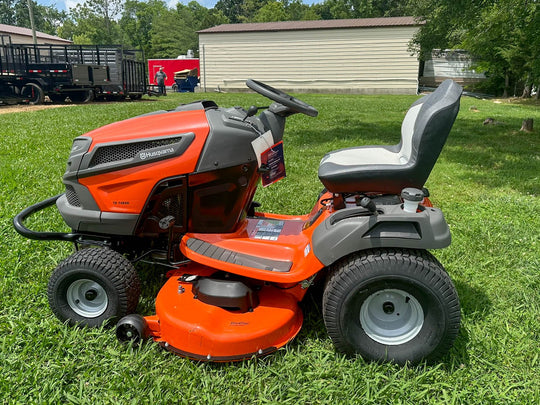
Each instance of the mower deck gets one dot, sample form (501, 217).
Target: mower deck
(189, 327)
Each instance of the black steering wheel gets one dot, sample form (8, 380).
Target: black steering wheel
(294, 104)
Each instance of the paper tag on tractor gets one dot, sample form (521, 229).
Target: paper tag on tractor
(273, 161)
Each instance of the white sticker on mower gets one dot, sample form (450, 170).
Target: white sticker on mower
(268, 229)
(156, 153)
(261, 144)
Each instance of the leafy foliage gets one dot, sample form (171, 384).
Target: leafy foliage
(46, 18)
(501, 34)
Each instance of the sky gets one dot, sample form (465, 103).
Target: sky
(67, 4)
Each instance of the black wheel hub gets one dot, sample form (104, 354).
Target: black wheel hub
(388, 307)
(90, 295)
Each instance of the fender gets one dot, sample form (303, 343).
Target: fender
(353, 229)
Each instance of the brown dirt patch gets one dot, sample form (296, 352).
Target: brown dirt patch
(6, 109)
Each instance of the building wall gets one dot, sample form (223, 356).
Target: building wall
(450, 64)
(349, 60)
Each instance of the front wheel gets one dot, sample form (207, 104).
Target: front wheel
(394, 305)
(92, 286)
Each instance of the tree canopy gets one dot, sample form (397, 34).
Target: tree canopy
(503, 36)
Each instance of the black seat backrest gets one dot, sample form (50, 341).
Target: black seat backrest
(432, 126)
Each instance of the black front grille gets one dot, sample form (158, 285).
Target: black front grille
(72, 197)
(115, 153)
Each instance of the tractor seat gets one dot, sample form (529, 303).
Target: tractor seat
(389, 169)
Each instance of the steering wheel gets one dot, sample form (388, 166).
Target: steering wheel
(294, 104)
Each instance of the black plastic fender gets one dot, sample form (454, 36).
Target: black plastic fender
(353, 229)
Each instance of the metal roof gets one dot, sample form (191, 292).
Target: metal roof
(313, 25)
(11, 29)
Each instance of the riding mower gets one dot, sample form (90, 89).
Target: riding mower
(176, 188)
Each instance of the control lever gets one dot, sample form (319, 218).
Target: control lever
(253, 110)
(368, 204)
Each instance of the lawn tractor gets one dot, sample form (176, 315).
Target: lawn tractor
(176, 188)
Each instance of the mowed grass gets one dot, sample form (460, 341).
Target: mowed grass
(486, 181)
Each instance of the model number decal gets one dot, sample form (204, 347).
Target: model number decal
(121, 202)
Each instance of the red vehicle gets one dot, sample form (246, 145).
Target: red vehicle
(176, 189)
(170, 66)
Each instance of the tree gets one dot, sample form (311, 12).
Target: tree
(94, 22)
(46, 18)
(174, 32)
(271, 11)
(137, 22)
(501, 34)
(232, 9)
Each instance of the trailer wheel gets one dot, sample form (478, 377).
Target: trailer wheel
(392, 305)
(93, 286)
(81, 97)
(33, 93)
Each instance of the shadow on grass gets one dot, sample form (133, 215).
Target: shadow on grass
(495, 156)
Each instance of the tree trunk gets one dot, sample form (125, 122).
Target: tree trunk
(527, 125)
(528, 87)
(506, 85)
(526, 91)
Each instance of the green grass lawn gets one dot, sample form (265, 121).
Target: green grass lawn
(486, 182)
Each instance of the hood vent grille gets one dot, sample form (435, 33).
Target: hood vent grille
(115, 153)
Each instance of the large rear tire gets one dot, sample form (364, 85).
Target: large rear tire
(394, 305)
(93, 286)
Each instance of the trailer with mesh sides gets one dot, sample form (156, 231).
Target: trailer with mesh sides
(81, 73)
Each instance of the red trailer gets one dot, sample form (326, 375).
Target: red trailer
(169, 67)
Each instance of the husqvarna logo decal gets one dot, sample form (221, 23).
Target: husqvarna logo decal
(156, 153)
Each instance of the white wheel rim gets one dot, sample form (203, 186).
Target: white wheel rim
(391, 317)
(87, 298)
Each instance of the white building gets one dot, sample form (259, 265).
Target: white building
(367, 56)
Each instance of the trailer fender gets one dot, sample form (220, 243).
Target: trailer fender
(353, 229)
(38, 81)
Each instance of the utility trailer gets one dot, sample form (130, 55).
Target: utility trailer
(30, 72)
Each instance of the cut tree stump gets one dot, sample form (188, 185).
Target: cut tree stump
(527, 125)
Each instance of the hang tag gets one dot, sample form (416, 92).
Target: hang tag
(261, 144)
(274, 162)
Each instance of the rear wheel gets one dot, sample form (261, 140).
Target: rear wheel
(393, 305)
(33, 93)
(92, 286)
